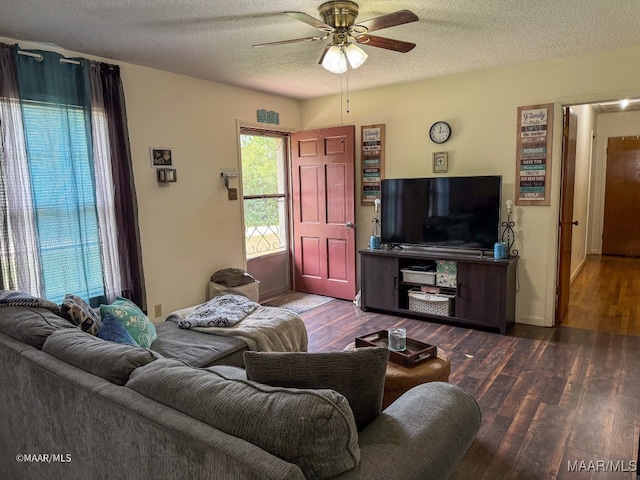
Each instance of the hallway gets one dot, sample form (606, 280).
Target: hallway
(606, 296)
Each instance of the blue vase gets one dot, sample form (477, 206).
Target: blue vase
(374, 242)
(500, 250)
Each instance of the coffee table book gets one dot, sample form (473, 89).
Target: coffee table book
(415, 353)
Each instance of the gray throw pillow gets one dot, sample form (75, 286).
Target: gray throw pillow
(356, 374)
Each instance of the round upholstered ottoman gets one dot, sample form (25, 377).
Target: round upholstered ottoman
(399, 379)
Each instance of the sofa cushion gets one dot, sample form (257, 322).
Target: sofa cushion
(357, 374)
(111, 361)
(76, 310)
(112, 331)
(133, 319)
(197, 349)
(313, 429)
(31, 325)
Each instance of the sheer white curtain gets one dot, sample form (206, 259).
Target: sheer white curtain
(18, 257)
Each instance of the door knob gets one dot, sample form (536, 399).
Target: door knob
(574, 222)
(349, 225)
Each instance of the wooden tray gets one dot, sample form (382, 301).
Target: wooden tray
(415, 353)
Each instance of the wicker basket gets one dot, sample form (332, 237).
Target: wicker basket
(433, 304)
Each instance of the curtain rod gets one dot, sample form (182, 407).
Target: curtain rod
(39, 57)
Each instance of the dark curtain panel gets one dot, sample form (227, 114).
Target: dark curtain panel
(8, 89)
(126, 206)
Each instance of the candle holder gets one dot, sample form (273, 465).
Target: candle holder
(508, 234)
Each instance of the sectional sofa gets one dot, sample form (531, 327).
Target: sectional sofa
(73, 406)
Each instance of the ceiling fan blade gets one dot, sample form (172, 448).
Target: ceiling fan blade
(294, 40)
(388, 43)
(390, 20)
(309, 20)
(326, 49)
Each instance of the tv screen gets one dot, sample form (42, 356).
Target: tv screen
(452, 212)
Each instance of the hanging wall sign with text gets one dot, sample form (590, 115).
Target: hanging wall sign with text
(372, 159)
(533, 158)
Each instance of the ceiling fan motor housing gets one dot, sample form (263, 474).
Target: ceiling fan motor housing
(339, 14)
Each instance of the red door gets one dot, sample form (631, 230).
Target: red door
(323, 171)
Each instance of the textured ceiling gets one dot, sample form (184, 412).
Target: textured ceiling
(212, 39)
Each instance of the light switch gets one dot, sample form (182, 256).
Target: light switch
(233, 193)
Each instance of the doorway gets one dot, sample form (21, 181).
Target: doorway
(597, 124)
(265, 187)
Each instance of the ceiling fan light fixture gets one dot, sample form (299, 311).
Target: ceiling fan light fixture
(355, 55)
(335, 60)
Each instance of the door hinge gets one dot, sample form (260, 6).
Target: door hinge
(557, 289)
(565, 132)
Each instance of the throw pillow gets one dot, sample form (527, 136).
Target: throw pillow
(356, 374)
(133, 320)
(112, 331)
(76, 310)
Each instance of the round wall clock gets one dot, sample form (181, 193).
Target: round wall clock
(440, 132)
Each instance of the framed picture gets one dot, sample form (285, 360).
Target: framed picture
(440, 162)
(161, 157)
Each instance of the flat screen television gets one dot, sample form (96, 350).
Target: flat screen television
(450, 212)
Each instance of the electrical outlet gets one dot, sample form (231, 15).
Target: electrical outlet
(233, 193)
(158, 310)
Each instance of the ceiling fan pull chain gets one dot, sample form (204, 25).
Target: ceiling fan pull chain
(347, 91)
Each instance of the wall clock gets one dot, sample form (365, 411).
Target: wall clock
(440, 132)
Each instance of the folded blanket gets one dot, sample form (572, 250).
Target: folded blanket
(222, 311)
(266, 329)
(10, 298)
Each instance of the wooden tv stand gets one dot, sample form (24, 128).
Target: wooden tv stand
(484, 296)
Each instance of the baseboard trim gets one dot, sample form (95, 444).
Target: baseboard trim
(535, 321)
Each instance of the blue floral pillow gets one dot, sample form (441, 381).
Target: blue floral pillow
(132, 319)
(112, 331)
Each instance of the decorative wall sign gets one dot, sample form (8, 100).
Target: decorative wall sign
(533, 158)
(270, 116)
(372, 159)
(440, 162)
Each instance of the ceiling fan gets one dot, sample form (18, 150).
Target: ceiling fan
(339, 23)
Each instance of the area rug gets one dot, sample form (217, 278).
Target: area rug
(298, 302)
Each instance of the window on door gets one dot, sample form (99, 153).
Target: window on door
(264, 186)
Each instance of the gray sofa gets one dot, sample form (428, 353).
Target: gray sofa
(73, 406)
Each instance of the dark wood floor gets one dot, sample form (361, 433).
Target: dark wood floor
(549, 396)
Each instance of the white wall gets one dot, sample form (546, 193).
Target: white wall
(609, 125)
(584, 148)
(189, 229)
(481, 108)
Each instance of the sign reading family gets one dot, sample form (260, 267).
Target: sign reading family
(533, 159)
(372, 156)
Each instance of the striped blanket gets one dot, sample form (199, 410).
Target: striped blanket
(10, 298)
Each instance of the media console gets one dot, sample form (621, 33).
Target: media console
(484, 295)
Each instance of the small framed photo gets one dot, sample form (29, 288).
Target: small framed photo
(161, 157)
(440, 162)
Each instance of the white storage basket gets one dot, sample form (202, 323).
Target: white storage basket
(418, 276)
(428, 303)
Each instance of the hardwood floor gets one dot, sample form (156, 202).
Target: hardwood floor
(549, 396)
(606, 296)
